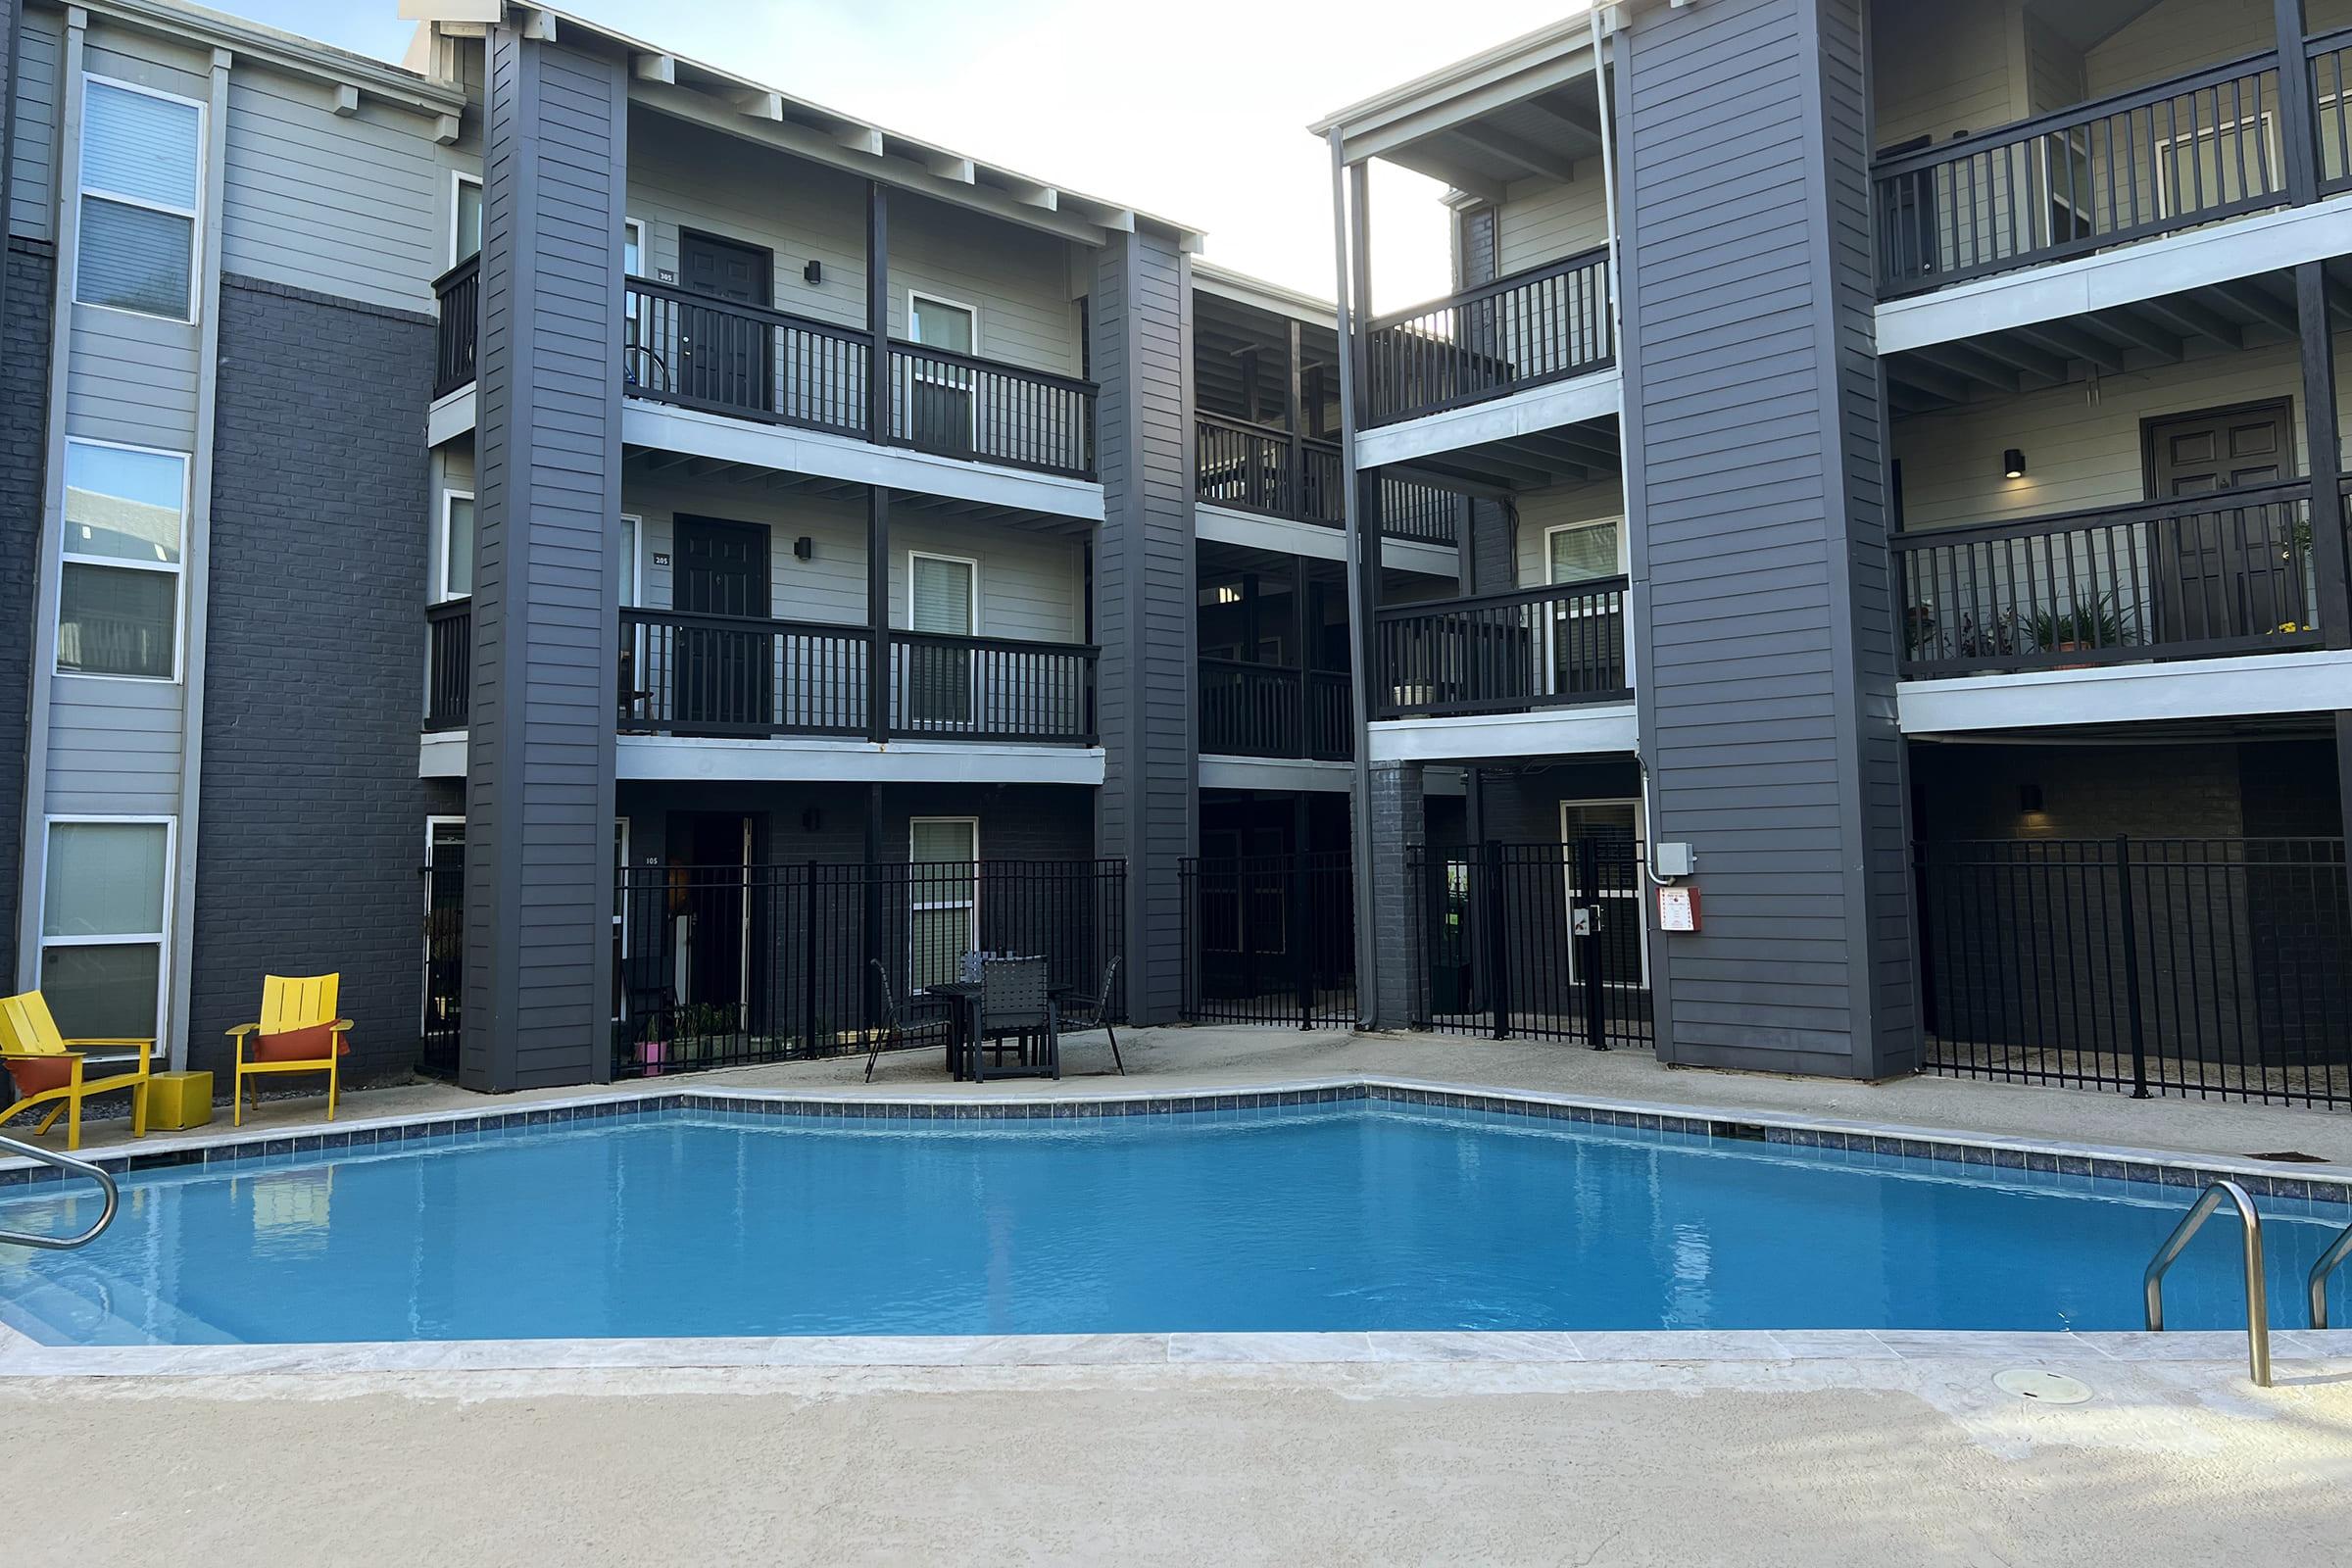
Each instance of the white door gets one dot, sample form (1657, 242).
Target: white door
(1624, 934)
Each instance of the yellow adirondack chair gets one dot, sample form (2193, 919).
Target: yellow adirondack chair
(288, 1005)
(28, 1038)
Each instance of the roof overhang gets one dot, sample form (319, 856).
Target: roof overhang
(1442, 123)
(357, 77)
(707, 94)
(1274, 299)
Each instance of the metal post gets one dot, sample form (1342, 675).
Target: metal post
(1587, 942)
(1301, 923)
(1360, 633)
(877, 614)
(1490, 938)
(2324, 456)
(808, 955)
(1295, 464)
(2298, 113)
(877, 310)
(2123, 892)
(871, 920)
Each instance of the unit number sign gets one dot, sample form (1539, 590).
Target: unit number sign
(1678, 908)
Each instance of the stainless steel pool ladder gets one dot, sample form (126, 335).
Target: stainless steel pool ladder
(73, 1167)
(2258, 1311)
(2329, 1262)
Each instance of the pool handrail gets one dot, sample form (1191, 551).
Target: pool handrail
(73, 1167)
(2258, 1313)
(2329, 1262)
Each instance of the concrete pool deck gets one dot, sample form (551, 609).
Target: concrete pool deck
(1208, 1055)
(1580, 1449)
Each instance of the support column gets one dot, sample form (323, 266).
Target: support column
(1806, 961)
(877, 612)
(1349, 193)
(546, 597)
(1294, 471)
(1140, 320)
(2298, 112)
(1397, 821)
(877, 310)
(2324, 460)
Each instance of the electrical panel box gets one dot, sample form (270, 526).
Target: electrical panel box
(1674, 860)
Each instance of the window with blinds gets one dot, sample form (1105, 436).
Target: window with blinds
(942, 917)
(117, 601)
(141, 168)
(103, 925)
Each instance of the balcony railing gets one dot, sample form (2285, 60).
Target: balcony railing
(731, 675)
(454, 338)
(1503, 653)
(1248, 467)
(2204, 146)
(1544, 324)
(448, 664)
(2214, 575)
(1274, 711)
(751, 363)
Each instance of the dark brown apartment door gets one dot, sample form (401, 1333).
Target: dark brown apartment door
(724, 355)
(2221, 574)
(724, 683)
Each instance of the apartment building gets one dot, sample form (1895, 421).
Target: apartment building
(626, 564)
(717, 539)
(1908, 445)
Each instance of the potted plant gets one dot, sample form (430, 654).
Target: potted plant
(2077, 627)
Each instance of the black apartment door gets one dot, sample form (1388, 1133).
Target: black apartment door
(2230, 573)
(724, 672)
(724, 356)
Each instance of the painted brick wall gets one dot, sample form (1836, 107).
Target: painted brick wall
(23, 437)
(1398, 821)
(311, 824)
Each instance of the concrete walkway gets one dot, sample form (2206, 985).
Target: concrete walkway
(1196, 1056)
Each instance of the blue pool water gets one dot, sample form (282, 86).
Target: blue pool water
(1367, 1215)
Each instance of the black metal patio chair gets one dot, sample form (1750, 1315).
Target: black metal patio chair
(1093, 1012)
(1017, 1000)
(889, 1029)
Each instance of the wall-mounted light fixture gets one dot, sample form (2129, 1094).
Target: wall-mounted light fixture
(814, 271)
(2013, 463)
(2028, 798)
(804, 548)
(811, 820)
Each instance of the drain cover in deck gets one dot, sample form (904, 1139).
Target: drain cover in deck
(2042, 1387)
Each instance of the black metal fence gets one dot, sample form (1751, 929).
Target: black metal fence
(2209, 967)
(444, 961)
(1270, 938)
(1541, 940)
(726, 965)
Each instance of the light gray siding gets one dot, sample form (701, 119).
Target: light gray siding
(539, 783)
(33, 153)
(1544, 219)
(683, 176)
(1032, 586)
(1143, 586)
(342, 204)
(114, 747)
(1763, 614)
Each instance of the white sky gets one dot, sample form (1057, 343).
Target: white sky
(1203, 105)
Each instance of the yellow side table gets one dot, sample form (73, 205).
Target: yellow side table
(179, 1101)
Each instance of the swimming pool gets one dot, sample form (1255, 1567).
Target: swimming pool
(1359, 1215)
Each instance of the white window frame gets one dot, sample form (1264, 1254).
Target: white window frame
(629, 302)
(971, 619)
(448, 499)
(84, 189)
(965, 382)
(425, 943)
(43, 941)
(1550, 618)
(634, 543)
(177, 570)
(970, 905)
(458, 179)
(1636, 901)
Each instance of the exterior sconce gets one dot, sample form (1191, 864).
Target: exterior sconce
(804, 548)
(814, 271)
(2029, 800)
(2013, 463)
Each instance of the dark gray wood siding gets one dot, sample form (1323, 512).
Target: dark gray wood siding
(539, 782)
(1141, 312)
(1763, 618)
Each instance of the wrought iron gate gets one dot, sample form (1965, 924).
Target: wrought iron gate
(1542, 941)
(1270, 938)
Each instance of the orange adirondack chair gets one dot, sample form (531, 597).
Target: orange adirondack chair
(298, 1032)
(46, 1066)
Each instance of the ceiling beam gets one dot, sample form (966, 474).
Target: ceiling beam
(2196, 320)
(767, 106)
(1502, 145)
(1961, 361)
(663, 68)
(1907, 370)
(2062, 337)
(2258, 303)
(1999, 347)
(2124, 324)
